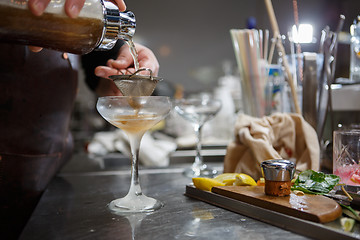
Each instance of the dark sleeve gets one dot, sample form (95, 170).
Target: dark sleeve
(97, 58)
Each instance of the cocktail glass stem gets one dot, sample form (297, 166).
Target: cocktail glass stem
(135, 200)
(198, 165)
(198, 168)
(135, 189)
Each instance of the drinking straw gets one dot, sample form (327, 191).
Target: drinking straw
(247, 74)
(292, 56)
(259, 73)
(281, 48)
(251, 39)
(272, 49)
(261, 43)
(298, 47)
(240, 55)
(247, 46)
(266, 43)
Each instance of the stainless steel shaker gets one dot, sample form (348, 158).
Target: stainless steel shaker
(99, 25)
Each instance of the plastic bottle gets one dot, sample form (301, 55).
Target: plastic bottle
(275, 90)
(99, 25)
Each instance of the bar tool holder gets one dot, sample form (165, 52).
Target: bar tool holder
(278, 174)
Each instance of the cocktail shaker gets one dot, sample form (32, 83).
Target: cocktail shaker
(99, 25)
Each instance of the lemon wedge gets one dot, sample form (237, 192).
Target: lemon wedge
(229, 182)
(243, 179)
(206, 183)
(227, 178)
(347, 224)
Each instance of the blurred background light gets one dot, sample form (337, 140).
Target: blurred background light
(304, 34)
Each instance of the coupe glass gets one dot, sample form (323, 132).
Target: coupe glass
(198, 111)
(134, 115)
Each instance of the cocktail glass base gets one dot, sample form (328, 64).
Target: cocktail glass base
(200, 171)
(139, 204)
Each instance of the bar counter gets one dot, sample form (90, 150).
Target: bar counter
(74, 206)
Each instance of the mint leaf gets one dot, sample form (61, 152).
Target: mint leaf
(313, 182)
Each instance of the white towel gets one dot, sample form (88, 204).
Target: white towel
(153, 152)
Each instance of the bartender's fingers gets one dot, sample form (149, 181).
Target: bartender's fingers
(146, 59)
(121, 4)
(35, 49)
(37, 7)
(124, 59)
(109, 62)
(73, 7)
(121, 68)
(105, 72)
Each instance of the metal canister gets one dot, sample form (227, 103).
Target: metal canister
(278, 174)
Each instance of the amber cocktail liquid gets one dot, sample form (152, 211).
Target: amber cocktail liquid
(134, 124)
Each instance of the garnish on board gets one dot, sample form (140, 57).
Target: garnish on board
(313, 182)
(350, 212)
(225, 179)
(347, 224)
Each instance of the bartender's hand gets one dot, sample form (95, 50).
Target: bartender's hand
(124, 64)
(72, 9)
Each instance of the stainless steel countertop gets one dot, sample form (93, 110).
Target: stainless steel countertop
(74, 206)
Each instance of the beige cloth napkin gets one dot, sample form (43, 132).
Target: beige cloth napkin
(279, 136)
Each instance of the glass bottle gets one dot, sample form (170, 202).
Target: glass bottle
(99, 25)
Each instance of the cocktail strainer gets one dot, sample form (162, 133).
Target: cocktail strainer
(136, 85)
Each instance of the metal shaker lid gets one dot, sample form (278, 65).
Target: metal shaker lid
(278, 170)
(118, 25)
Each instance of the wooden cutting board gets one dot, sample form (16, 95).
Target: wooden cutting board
(314, 208)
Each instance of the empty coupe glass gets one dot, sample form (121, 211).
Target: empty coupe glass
(198, 111)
